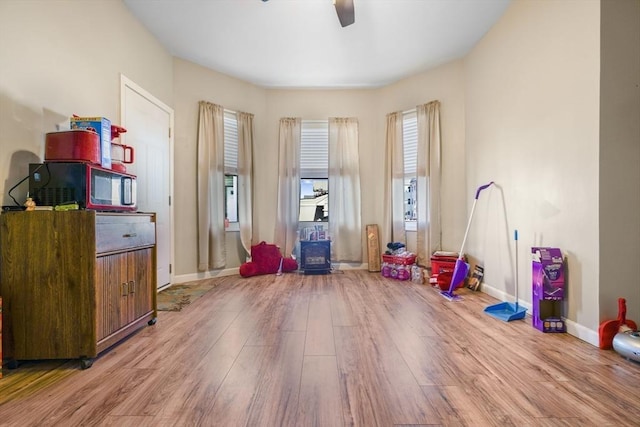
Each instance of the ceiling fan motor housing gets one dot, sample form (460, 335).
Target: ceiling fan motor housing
(345, 11)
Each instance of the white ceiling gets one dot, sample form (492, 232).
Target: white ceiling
(300, 43)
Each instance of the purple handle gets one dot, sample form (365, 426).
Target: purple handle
(482, 188)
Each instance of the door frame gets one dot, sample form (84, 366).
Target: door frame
(126, 83)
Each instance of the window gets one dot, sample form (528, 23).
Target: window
(314, 171)
(410, 149)
(231, 167)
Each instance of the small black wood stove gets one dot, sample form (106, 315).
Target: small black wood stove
(315, 256)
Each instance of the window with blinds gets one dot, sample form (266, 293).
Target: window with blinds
(230, 166)
(410, 149)
(230, 143)
(314, 149)
(314, 170)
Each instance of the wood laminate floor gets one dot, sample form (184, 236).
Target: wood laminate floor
(348, 348)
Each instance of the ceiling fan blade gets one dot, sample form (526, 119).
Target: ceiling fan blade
(345, 11)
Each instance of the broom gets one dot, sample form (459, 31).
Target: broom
(461, 268)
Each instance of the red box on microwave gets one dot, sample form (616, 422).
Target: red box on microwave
(77, 145)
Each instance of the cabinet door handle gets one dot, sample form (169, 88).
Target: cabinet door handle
(125, 289)
(130, 235)
(132, 287)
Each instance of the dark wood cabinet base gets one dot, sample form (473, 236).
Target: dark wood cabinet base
(74, 283)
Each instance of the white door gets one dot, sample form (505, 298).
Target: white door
(149, 125)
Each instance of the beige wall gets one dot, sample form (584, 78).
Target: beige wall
(523, 109)
(619, 190)
(445, 84)
(532, 120)
(193, 83)
(59, 59)
(317, 105)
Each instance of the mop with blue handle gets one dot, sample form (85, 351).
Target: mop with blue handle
(461, 268)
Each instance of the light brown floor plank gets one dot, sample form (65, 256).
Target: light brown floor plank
(319, 340)
(277, 397)
(320, 402)
(349, 348)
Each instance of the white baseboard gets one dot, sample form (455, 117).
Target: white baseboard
(582, 332)
(349, 266)
(501, 295)
(573, 328)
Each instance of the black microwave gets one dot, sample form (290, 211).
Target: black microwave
(91, 186)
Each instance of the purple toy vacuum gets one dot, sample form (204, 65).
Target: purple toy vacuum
(461, 268)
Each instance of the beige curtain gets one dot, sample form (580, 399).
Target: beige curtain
(210, 176)
(245, 179)
(288, 202)
(428, 200)
(394, 229)
(345, 227)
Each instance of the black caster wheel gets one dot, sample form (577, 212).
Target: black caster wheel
(12, 364)
(86, 363)
(152, 321)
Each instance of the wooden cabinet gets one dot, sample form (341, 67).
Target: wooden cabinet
(122, 283)
(75, 283)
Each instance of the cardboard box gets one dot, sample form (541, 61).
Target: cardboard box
(548, 316)
(548, 285)
(548, 273)
(102, 127)
(373, 247)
